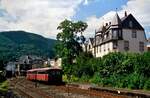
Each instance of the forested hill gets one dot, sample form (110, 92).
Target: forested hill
(16, 43)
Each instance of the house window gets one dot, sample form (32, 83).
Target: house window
(114, 34)
(133, 33)
(141, 46)
(126, 45)
(130, 24)
(115, 45)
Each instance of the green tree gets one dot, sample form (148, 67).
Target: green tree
(68, 46)
(84, 65)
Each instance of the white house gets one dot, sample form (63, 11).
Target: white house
(119, 35)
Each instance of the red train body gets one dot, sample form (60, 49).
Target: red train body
(49, 74)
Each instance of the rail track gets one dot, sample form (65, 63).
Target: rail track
(28, 89)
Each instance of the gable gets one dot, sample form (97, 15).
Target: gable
(131, 23)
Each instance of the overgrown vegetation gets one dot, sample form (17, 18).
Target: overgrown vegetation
(122, 70)
(3, 86)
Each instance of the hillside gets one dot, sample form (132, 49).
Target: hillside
(16, 43)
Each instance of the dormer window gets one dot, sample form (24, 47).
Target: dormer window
(130, 24)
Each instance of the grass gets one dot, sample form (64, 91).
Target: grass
(3, 86)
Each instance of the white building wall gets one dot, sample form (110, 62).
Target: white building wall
(104, 49)
(133, 42)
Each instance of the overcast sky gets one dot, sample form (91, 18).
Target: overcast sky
(43, 16)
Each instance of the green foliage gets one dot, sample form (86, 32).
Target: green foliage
(135, 81)
(13, 44)
(4, 86)
(68, 46)
(147, 84)
(96, 78)
(85, 78)
(123, 70)
(85, 65)
(72, 78)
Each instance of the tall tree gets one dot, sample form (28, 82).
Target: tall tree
(68, 46)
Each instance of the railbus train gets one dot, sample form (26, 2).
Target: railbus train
(49, 75)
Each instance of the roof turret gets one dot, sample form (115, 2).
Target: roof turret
(116, 20)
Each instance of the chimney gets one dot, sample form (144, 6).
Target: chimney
(109, 23)
(106, 24)
(125, 13)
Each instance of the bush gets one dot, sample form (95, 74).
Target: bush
(4, 86)
(147, 84)
(71, 78)
(124, 70)
(85, 78)
(96, 79)
(135, 81)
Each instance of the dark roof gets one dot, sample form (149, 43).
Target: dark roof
(123, 18)
(122, 23)
(91, 39)
(135, 23)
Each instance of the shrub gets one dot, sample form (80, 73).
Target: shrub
(147, 84)
(85, 78)
(96, 79)
(4, 86)
(135, 81)
(124, 70)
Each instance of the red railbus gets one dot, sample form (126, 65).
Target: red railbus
(49, 74)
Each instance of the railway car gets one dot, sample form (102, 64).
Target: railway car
(49, 74)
